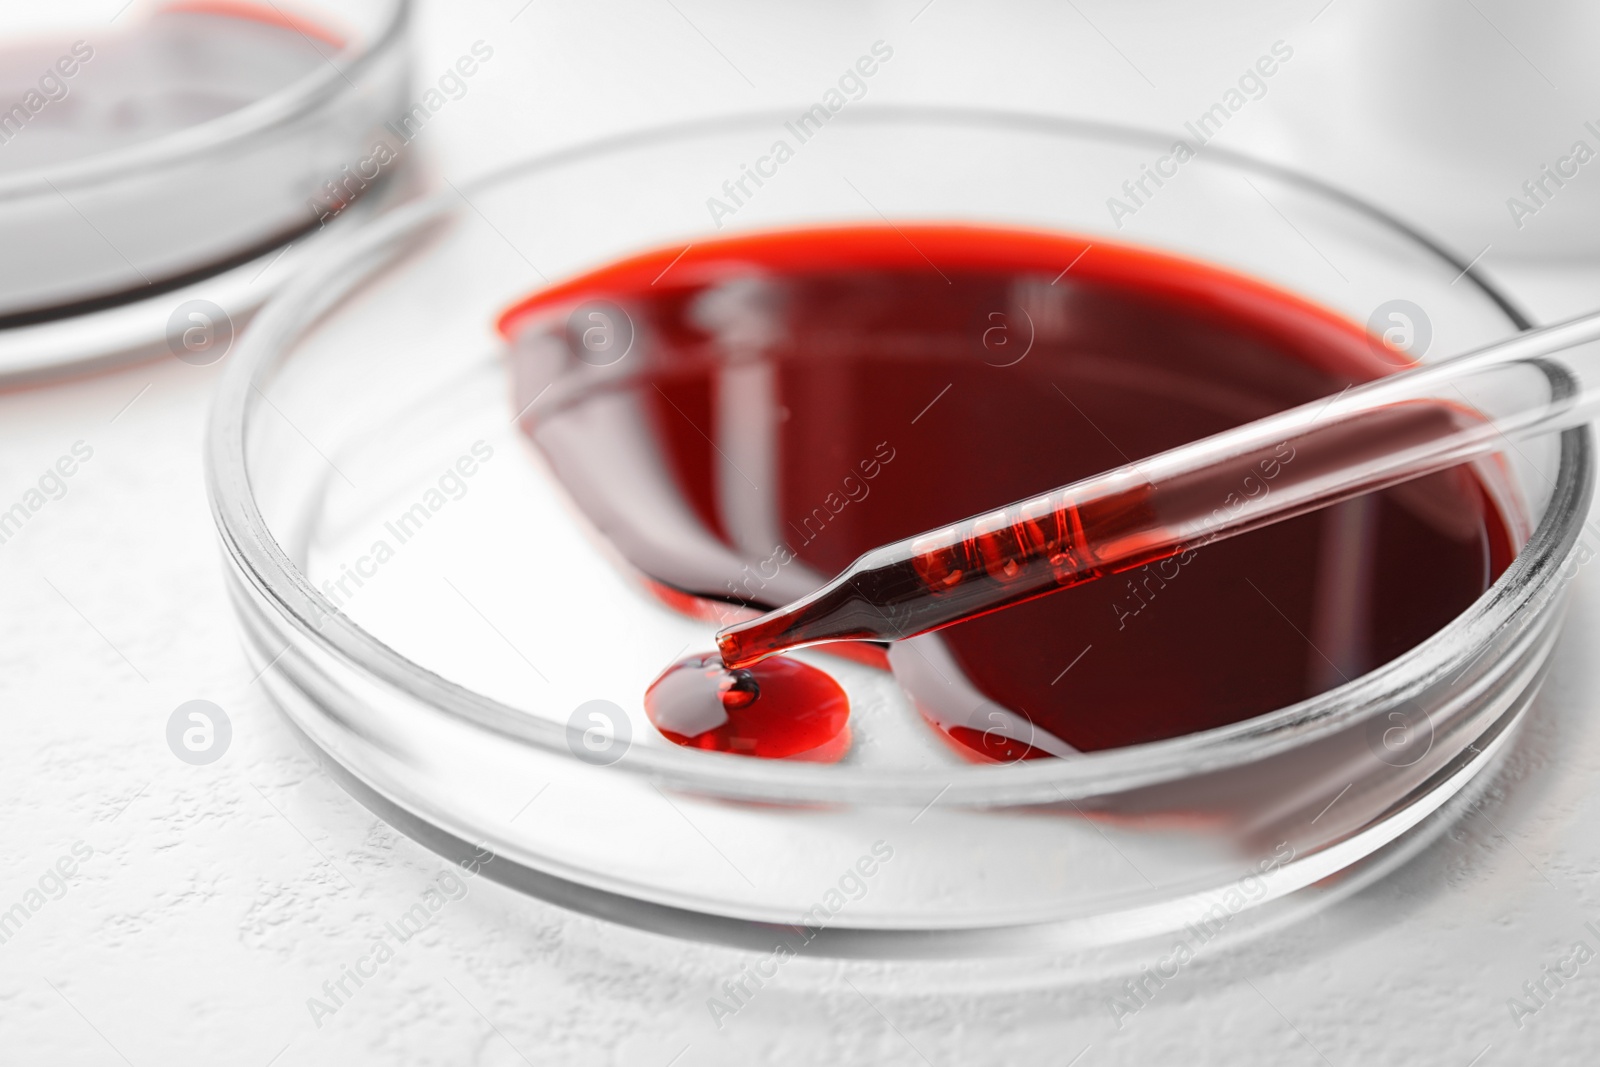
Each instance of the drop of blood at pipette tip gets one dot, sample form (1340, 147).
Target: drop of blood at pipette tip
(774, 709)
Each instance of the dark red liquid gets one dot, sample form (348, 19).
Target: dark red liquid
(788, 401)
(779, 707)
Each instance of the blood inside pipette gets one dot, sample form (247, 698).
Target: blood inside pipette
(1144, 513)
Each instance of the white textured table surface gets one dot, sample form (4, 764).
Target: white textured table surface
(214, 901)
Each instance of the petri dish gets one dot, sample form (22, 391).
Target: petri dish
(443, 660)
(169, 153)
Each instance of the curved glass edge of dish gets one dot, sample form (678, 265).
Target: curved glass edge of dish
(138, 330)
(1304, 886)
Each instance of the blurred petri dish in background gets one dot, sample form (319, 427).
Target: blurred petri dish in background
(156, 161)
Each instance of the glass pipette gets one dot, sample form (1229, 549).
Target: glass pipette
(1418, 421)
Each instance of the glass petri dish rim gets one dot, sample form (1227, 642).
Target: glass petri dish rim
(219, 134)
(261, 561)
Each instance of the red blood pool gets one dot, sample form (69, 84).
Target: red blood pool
(790, 400)
(778, 708)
